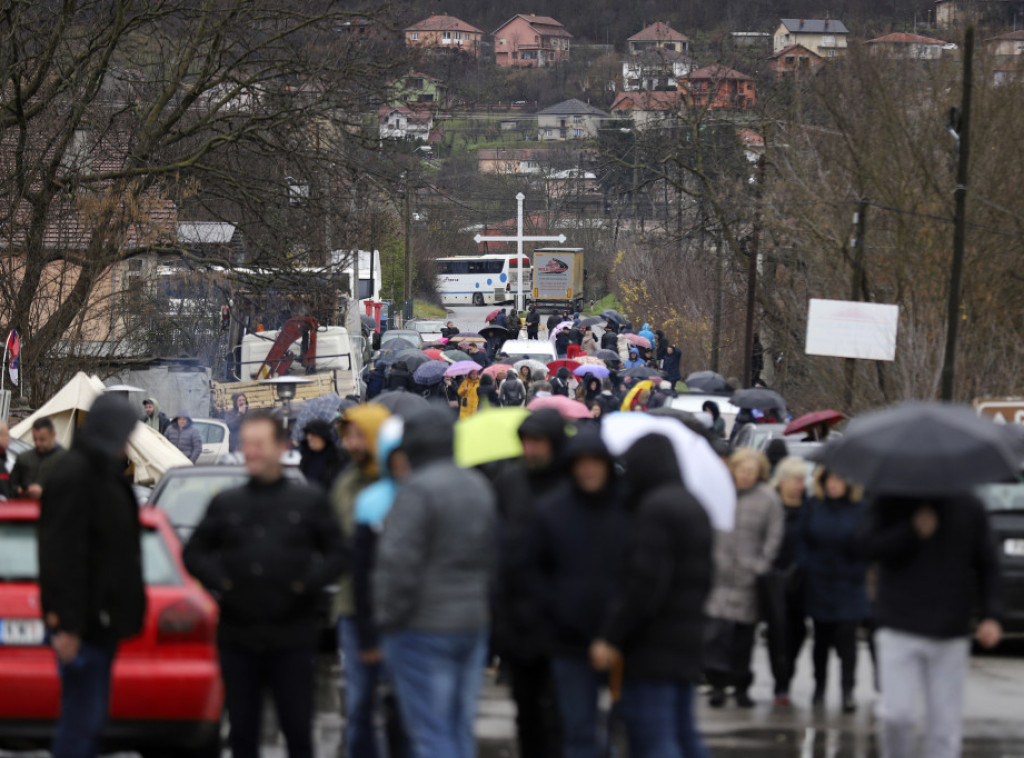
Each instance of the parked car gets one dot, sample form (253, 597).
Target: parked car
(166, 692)
(216, 439)
(184, 493)
(409, 335)
(430, 331)
(538, 350)
(1005, 506)
(758, 436)
(693, 402)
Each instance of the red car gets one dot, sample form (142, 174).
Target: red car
(166, 692)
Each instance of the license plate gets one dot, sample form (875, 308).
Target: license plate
(21, 632)
(1014, 548)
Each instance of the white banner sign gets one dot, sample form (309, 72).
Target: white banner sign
(848, 329)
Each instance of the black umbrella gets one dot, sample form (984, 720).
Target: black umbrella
(640, 372)
(495, 332)
(922, 449)
(708, 381)
(369, 322)
(398, 344)
(412, 359)
(607, 355)
(756, 398)
(324, 408)
(430, 373)
(401, 402)
(591, 320)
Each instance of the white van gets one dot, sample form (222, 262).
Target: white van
(538, 350)
(694, 402)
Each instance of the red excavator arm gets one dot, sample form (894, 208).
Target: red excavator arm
(279, 360)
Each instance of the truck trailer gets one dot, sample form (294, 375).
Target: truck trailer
(558, 279)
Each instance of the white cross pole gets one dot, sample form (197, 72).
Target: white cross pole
(519, 239)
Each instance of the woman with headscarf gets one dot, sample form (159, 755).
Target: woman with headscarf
(321, 460)
(835, 579)
(717, 422)
(742, 556)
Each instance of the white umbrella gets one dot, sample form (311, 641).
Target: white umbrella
(704, 473)
(536, 367)
(561, 327)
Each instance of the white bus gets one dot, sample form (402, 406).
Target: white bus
(481, 279)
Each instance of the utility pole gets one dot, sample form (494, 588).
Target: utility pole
(960, 125)
(716, 322)
(755, 252)
(856, 285)
(407, 304)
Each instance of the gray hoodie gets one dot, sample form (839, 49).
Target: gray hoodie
(436, 553)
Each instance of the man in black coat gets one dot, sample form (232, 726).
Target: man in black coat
(610, 339)
(576, 555)
(518, 630)
(657, 622)
(266, 550)
(532, 322)
(90, 570)
(937, 562)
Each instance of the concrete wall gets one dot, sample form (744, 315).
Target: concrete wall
(176, 389)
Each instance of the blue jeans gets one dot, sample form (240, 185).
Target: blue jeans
(659, 720)
(577, 686)
(360, 694)
(84, 701)
(437, 678)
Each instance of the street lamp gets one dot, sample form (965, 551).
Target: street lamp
(285, 387)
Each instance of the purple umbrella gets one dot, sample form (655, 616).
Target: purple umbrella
(601, 372)
(462, 368)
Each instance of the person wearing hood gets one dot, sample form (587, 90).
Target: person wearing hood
(435, 559)
(183, 435)
(562, 343)
(661, 349)
(372, 507)
(358, 429)
(152, 415)
(90, 570)
(376, 380)
(400, 378)
(717, 422)
(532, 322)
(560, 384)
(634, 360)
(670, 365)
(742, 556)
(513, 392)
(488, 392)
(589, 343)
(576, 554)
(266, 550)
(469, 395)
(518, 631)
(321, 461)
(648, 335)
(591, 390)
(775, 451)
(234, 417)
(656, 624)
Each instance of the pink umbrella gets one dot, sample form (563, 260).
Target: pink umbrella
(589, 360)
(561, 327)
(498, 370)
(462, 368)
(636, 339)
(569, 408)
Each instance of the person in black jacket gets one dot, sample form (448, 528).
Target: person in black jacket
(670, 365)
(560, 383)
(610, 339)
(487, 392)
(532, 322)
(937, 562)
(400, 378)
(321, 461)
(518, 631)
(90, 570)
(656, 625)
(266, 550)
(576, 554)
(562, 343)
(554, 320)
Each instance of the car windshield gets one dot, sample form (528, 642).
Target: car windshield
(1002, 497)
(211, 434)
(429, 327)
(19, 561)
(185, 498)
(404, 334)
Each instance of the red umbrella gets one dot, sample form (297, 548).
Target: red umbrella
(811, 420)
(636, 339)
(562, 363)
(492, 315)
(497, 370)
(434, 354)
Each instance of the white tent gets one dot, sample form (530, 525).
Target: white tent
(149, 451)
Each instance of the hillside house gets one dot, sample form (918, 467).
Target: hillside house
(647, 109)
(444, 34)
(419, 89)
(658, 36)
(527, 41)
(826, 37)
(514, 162)
(1008, 45)
(400, 122)
(796, 62)
(571, 119)
(718, 87)
(905, 46)
(952, 14)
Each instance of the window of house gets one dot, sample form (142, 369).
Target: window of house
(577, 120)
(414, 36)
(790, 60)
(501, 41)
(446, 36)
(416, 83)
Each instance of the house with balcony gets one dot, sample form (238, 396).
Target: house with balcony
(444, 34)
(795, 62)
(402, 123)
(528, 41)
(418, 89)
(657, 58)
(905, 46)
(568, 120)
(658, 36)
(826, 37)
(718, 87)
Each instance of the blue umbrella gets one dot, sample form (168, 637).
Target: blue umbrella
(601, 372)
(430, 373)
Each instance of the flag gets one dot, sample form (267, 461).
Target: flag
(13, 350)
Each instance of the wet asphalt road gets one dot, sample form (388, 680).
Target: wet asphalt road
(994, 724)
